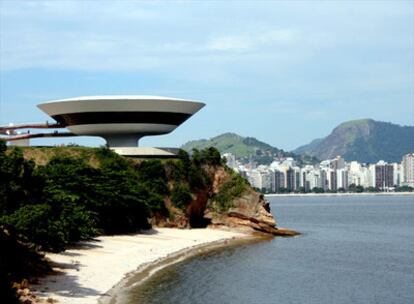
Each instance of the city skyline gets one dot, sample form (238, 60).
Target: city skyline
(257, 65)
(286, 175)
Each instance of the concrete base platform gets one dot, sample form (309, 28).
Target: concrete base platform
(147, 152)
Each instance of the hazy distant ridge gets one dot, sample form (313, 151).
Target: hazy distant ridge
(364, 140)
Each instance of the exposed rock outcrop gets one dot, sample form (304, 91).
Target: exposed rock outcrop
(249, 211)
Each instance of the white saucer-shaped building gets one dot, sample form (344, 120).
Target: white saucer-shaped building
(121, 120)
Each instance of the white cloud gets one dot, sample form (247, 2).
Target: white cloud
(180, 42)
(126, 35)
(264, 61)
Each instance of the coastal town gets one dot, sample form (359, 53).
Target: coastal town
(331, 175)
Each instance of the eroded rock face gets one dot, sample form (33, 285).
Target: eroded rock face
(249, 212)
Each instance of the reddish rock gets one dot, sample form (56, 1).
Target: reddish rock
(249, 212)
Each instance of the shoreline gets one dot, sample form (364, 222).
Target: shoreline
(98, 271)
(119, 293)
(338, 194)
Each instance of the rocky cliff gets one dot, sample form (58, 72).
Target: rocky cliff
(248, 211)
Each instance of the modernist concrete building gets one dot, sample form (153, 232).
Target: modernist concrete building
(121, 120)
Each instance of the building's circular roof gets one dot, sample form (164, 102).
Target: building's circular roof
(119, 97)
(110, 116)
(127, 103)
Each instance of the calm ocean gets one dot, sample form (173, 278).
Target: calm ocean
(357, 249)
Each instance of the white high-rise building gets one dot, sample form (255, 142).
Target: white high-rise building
(230, 160)
(371, 175)
(397, 174)
(337, 163)
(255, 179)
(266, 180)
(359, 175)
(408, 169)
(342, 178)
(289, 162)
(331, 179)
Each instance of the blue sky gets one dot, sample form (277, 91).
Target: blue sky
(284, 72)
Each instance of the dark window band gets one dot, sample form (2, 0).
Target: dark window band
(87, 118)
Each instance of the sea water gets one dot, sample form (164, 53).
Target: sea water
(353, 249)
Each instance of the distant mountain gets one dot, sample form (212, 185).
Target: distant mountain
(245, 148)
(364, 140)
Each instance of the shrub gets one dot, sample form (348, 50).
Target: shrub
(211, 156)
(18, 183)
(152, 174)
(230, 190)
(196, 177)
(78, 223)
(317, 190)
(181, 196)
(18, 261)
(36, 224)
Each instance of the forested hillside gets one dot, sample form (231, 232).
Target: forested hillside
(363, 140)
(246, 149)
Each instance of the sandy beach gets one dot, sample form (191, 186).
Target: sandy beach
(86, 273)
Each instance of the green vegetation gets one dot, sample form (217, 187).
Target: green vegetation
(76, 196)
(231, 189)
(363, 140)
(351, 189)
(355, 188)
(181, 196)
(404, 189)
(246, 149)
(68, 200)
(317, 190)
(18, 261)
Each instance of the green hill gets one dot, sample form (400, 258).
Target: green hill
(245, 148)
(364, 140)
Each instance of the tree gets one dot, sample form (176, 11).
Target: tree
(181, 196)
(152, 174)
(38, 225)
(301, 190)
(317, 190)
(283, 190)
(19, 184)
(372, 189)
(404, 188)
(211, 156)
(355, 188)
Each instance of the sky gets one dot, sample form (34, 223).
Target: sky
(285, 72)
